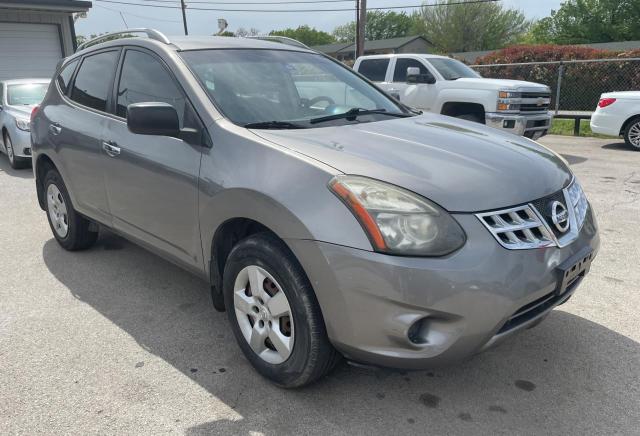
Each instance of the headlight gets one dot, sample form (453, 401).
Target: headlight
(398, 221)
(578, 201)
(509, 101)
(508, 94)
(22, 124)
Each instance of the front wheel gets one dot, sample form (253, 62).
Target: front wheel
(632, 134)
(15, 161)
(71, 230)
(274, 313)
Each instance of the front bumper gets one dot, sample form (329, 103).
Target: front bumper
(532, 126)
(463, 302)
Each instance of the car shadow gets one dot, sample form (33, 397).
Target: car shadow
(5, 167)
(569, 375)
(622, 146)
(574, 160)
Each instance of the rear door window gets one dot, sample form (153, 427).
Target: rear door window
(400, 71)
(93, 81)
(374, 69)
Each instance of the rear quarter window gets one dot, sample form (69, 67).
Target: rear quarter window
(374, 69)
(64, 78)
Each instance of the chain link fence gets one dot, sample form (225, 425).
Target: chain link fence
(575, 85)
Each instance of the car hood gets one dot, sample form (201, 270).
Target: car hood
(497, 84)
(463, 166)
(22, 111)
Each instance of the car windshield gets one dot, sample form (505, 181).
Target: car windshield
(287, 89)
(26, 93)
(452, 69)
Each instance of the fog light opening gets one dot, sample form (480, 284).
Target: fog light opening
(509, 124)
(417, 333)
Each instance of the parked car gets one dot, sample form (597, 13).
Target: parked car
(17, 99)
(329, 219)
(447, 86)
(618, 113)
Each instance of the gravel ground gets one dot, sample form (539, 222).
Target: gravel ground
(116, 340)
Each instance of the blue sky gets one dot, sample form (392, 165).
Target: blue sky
(105, 17)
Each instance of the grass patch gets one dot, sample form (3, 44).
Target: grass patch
(565, 127)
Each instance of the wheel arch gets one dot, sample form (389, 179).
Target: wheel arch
(627, 122)
(43, 164)
(241, 213)
(456, 108)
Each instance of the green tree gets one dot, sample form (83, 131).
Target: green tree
(470, 27)
(242, 32)
(380, 25)
(306, 35)
(587, 21)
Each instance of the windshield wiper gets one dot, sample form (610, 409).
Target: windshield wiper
(274, 125)
(353, 113)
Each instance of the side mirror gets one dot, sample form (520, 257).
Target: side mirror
(414, 76)
(160, 119)
(412, 73)
(153, 118)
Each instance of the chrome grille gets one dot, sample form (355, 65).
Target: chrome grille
(535, 102)
(531, 226)
(517, 228)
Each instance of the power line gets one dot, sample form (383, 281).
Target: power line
(297, 10)
(117, 11)
(286, 2)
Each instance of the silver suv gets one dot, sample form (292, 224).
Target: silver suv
(329, 219)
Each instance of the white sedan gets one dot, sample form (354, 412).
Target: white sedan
(618, 113)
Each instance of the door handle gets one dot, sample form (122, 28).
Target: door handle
(55, 129)
(111, 149)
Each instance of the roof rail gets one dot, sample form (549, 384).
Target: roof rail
(281, 39)
(151, 34)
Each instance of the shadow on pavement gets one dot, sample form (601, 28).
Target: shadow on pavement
(622, 146)
(574, 160)
(567, 376)
(5, 167)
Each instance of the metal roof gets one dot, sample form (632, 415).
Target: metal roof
(376, 44)
(55, 5)
(332, 48)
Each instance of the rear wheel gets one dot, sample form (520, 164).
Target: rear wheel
(632, 134)
(274, 313)
(71, 230)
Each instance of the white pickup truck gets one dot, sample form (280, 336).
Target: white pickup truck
(443, 85)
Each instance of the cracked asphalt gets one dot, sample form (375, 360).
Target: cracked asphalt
(116, 340)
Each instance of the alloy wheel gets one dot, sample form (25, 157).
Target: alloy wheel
(264, 314)
(57, 209)
(9, 145)
(634, 135)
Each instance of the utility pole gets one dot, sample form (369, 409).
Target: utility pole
(355, 50)
(362, 23)
(184, 16)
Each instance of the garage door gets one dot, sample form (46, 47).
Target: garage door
(28, 50)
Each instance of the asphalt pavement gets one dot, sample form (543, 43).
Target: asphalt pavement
(116, 340)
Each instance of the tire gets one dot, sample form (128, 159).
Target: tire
(471, 117)
(15, 162)
(311, 355)
(71, 230)
(632, 134)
